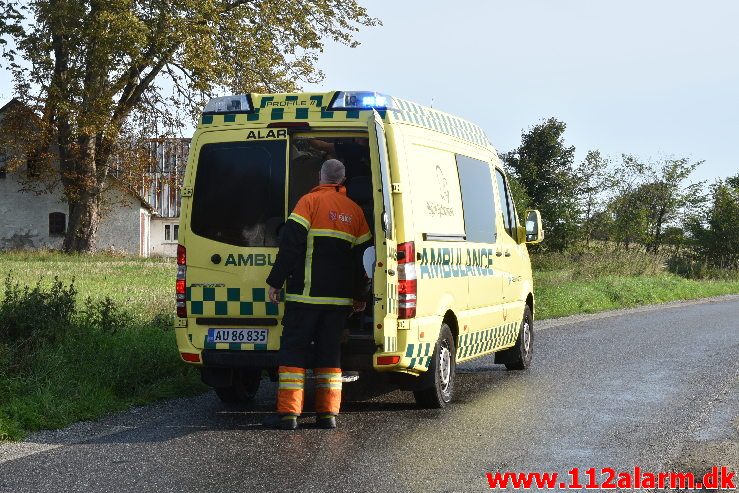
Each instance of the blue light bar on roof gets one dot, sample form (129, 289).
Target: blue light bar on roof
(361, 100)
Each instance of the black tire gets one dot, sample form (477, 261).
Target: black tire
(519, 356)
(243, 388)
(440, 373)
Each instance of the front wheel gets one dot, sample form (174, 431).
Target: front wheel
(244, 386)
(440, 373)
(519, 356)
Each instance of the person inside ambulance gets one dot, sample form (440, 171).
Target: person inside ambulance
(353, 153)
(320, 257)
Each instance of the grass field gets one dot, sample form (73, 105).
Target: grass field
(86, 369)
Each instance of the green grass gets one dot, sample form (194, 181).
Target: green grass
(144, 286)
(88, 370)
(556, 297)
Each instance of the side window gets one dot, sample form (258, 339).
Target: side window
(478, 200)
(57, 223)
(508, 210)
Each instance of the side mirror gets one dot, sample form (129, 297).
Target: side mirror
(534, 233)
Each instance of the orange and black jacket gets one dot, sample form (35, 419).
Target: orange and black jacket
(321, 248)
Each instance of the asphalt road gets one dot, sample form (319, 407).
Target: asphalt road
(657, 388)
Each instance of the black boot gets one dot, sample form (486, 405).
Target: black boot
(281, 422)
(326, 421)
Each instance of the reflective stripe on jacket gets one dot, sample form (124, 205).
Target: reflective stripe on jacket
(321, 247)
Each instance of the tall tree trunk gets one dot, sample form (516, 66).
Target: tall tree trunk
(83, 187)
(84, 219)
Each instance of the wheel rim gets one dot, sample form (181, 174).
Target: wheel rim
(445, 367)
(526, 336)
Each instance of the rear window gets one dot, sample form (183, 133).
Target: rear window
(239, 193)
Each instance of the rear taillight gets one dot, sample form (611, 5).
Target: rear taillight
(407, 280)
(181, 255)
(181, 282)
(388, 360)
(190, 357)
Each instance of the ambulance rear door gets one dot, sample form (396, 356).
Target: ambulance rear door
(385, 281)
(237, 206)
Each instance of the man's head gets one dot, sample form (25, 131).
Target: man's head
(332, 172)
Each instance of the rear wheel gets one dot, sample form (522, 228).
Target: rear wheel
(440, 373)
(244, 386)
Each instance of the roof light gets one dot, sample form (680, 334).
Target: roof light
(361, 100)
(240, 103)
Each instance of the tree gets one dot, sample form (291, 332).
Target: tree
(630, 223)
(661, 190)
(90, 65)
(593, 178)
(543, 165)
(717, 234)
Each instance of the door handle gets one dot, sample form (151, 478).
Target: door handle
(507, 253)
(390, 272)
(498, 253)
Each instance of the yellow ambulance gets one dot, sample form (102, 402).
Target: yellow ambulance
(451, 277)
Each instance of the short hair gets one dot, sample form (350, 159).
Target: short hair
(332, 171)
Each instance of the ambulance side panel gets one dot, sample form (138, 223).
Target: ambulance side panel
(456, 277)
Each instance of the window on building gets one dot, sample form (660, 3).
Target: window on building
(477, 199)
(171, 232)
(57, 224)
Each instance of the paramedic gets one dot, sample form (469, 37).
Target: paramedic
(320, 258)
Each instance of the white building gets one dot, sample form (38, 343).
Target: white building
(145, 223)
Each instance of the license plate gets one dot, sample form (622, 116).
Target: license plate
(248, 336)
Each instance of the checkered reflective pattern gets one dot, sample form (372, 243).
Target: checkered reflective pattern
(406, 112)
(233, 302)
(420, 355)
(487, 340)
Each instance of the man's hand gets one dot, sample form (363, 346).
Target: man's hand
(274, 295)
(359, 306)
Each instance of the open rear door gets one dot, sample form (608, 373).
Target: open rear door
(385, 282)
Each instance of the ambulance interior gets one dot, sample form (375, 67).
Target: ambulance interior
(307, 154)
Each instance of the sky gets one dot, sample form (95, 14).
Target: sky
(653, 78)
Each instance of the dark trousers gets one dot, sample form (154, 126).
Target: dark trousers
(303, 325)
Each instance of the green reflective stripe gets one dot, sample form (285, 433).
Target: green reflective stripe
(290, 386)
(300, 220)
(296, 376)
(319, 300)
(308, 267)
(365, 237)
(333, 234)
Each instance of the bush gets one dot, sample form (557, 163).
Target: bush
(104, 315)
(60, 364)
(32, 317)
(595, 263)
(691, 268)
